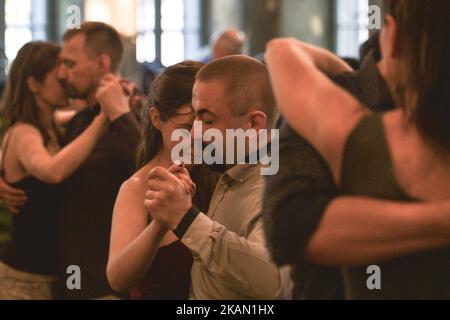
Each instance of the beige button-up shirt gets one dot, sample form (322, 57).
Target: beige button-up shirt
(231, 260)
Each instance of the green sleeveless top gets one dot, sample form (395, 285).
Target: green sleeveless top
(368, 171)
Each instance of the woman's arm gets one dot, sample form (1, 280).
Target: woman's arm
(54, 169)
(360, 231)
(134, 243)
(317, 109)
(324, 60)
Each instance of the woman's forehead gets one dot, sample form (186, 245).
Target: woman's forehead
(185, 110)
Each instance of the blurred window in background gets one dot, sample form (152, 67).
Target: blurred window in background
(172, 36)
(146, 38)
(352, 18)
(25, 20)
(168, 31)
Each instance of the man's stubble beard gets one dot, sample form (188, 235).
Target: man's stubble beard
(73, 93)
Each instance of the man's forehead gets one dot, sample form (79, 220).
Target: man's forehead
(208, 92)
(73, 46)
(210, 97)
(213, 84)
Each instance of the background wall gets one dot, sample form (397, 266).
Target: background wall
(311, 21)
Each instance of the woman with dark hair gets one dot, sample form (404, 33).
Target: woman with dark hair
(33, 161)
(402, 155)
(145, 258)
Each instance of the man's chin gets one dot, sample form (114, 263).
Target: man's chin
(72, 93)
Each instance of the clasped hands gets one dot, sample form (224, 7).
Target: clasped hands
(113, 95)
(169, 195)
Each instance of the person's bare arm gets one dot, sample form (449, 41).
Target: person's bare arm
(134, 243)
(325, 61)
(54, 169)
(311, 103)
(359, 231)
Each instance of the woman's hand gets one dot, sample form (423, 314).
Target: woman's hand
(182, 173)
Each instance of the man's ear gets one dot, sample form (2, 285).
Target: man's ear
(391, 38)
(104, 63)
(155, 117)
(258, 120)
(33, 85)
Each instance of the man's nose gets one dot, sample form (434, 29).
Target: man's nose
(62, 73)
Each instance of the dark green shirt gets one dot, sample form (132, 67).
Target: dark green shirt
(368, 171)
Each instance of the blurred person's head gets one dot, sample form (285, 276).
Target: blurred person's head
(33, 91)
(415, 42)
(234, 93)
(169, 108)
(229, 42)
(88, 54)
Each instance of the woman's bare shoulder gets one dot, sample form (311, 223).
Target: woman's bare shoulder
(20, 136)
(137, 182)
(130, 199)
(22, 131)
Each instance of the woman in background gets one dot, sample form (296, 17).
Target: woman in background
(402, 155)
(33, 161)
(145, 258)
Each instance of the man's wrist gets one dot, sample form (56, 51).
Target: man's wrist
(186, 222)
(116, 114)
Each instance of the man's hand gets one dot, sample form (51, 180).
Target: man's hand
(182, 173)
(167, 199)
(112, 97)
(14, 198)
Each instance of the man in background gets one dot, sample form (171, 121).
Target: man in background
(227, 43)
(89, 62)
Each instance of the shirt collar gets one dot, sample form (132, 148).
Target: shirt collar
(241, 173)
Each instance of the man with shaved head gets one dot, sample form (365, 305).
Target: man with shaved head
(231, 259)
(229, 42)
